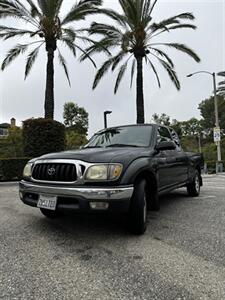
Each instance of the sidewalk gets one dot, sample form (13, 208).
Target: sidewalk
(214, 174)
(9, 183)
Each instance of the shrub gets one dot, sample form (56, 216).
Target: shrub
(41, 136)
(12, 168)
(12, 145)
(74, 140)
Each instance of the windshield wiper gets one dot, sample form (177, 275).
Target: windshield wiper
(121, 145)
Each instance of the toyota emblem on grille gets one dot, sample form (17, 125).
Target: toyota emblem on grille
(51, 171)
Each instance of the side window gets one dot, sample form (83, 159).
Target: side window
(163, 135)
(175, 138)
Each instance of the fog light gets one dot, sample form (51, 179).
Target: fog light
(21, 195)
(99, 205)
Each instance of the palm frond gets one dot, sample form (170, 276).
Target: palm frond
(50, 8)
(10, 32)
(43, 7)
(70, 33)
(171, 72)
(132, 72)
(152, 7)
(181, 26)
(182, 48)
(86, 54)
(155, 72)
(62, 61)
(174, 27)
(131, 11)
(221, 74)
(12, 54)
(15, 9)
(120, 77)
(105, 29)
(31, 60)
(162, 54)
(117, 59)
(120, 19)
(102, 71)
(102, 46)
(146, 8)
(82, 9)
(33, 9)
(69, 44)
(175, 20)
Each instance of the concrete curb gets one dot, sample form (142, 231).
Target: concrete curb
(9, 183)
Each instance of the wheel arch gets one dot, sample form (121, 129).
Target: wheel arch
(152, 183)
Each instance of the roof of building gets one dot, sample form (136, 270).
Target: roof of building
(5, 125)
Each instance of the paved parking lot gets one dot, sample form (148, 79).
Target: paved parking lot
(181, 256)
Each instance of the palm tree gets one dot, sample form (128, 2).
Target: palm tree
(221, 88)
(135, 38)
(48, 28)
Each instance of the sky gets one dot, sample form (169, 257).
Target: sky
(25, 99)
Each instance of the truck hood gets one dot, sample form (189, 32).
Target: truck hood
(102, 155)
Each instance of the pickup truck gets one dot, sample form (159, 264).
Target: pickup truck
(122, 169)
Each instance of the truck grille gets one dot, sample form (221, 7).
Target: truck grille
(63, 172)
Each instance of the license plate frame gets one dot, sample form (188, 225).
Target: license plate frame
(47, 201)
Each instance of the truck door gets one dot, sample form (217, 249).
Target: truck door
(181, 159)
(167, 161)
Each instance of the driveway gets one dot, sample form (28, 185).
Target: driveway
(181, 256)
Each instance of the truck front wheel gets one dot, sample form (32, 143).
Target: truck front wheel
(193, 188)
(138, 208)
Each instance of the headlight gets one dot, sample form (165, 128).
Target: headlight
(97, 172)
(104, 172)
(27, 170)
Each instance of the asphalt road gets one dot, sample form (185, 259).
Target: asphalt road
(181, 256)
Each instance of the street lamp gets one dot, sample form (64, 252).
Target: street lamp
(107, 112)
(216, 113)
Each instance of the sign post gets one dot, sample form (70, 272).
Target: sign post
(217, 139)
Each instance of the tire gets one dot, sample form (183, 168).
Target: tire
(51, 214)
(138, 208)
(154, 203)
(193, 188)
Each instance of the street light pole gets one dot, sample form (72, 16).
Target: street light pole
(216, 117)
(107, 112)
(216, 113)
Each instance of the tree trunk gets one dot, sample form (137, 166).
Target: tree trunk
(49, 91)
(140, 95)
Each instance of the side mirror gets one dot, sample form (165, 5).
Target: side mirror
(170, 145)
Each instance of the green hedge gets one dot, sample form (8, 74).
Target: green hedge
(42, 136)
(12, 168)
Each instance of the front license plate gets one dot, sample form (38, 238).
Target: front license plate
(48, 202)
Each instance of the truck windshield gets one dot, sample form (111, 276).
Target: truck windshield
(130, 136)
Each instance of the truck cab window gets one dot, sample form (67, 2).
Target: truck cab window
(175, 138)
(163, 135)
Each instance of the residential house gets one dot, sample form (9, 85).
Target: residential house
(4, 128)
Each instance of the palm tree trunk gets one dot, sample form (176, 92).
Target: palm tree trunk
(49, 91)
(139, 92)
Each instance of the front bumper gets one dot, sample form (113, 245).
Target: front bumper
(78, 198)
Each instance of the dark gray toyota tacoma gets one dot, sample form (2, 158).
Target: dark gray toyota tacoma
(121, 169)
